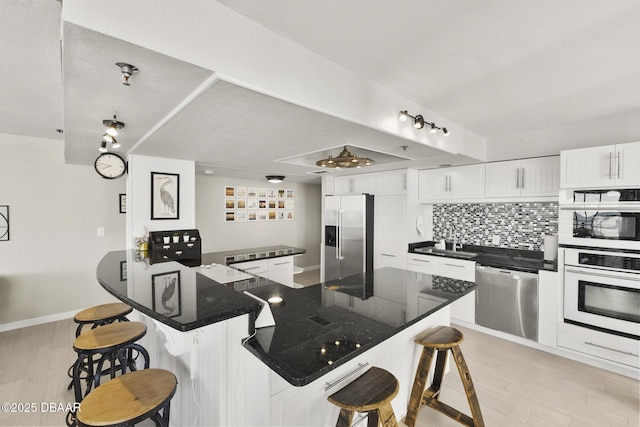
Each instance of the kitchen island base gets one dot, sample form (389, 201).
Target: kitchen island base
(221, 383)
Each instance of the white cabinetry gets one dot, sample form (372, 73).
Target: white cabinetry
(278, 269)
(390, 243)
(390, 183)
(537, 177)
(380, 183)
(599, 344)
(447, 184)
(281, 270)
(549, 291)
(354, 184)
(601, 167)
(465, 308)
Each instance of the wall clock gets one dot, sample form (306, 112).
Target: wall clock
(110, 165)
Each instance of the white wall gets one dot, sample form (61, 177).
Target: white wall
(139, 195)
(49, 265)
(218, 235)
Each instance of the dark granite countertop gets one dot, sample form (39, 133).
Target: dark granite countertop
(191, 300)
(512, 259)
(318, 328)
(251, 254)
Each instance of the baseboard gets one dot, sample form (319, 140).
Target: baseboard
(36, 321)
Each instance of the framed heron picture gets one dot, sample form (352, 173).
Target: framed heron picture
(165, 195)
(165, 297)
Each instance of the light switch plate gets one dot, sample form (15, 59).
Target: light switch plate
(100, 231)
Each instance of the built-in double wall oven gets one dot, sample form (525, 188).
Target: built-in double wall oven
(599, 231)
(602, 290)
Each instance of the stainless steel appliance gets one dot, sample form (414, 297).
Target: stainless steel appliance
(507, 301)
(602, 290)
(600, 218)
(348, 235)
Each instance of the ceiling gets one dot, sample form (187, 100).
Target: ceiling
(495, 67)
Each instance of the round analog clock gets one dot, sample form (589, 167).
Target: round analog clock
(110, 165)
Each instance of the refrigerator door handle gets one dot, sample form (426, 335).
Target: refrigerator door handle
(339, 239)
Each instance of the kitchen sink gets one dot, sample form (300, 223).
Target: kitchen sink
(446, 252)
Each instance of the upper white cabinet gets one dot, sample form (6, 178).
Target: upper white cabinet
(538, 177)
(380, 183)
(354, 184)
(601, 167)
(391, 183)
(461, 182)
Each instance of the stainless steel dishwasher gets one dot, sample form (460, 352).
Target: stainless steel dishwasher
(507, 301)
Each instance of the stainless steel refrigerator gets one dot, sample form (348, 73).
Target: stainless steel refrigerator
(348, 235)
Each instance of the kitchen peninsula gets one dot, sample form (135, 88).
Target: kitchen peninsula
(324, 335)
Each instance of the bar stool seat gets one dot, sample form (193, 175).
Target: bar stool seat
(130, 399)
(100, 315)
(114, 343)
(441, 339)
(372, 393)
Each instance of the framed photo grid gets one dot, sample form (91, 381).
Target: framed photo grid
(254, 204)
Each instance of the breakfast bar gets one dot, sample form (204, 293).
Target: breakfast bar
(202, 327)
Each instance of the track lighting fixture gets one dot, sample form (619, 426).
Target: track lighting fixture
(127, 71)
(275, 179)
(110, 133)
(419, 123)
(344, 160)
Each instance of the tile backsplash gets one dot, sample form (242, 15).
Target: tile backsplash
(519, 225)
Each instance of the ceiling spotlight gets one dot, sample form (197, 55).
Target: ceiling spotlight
(112, 126)
(344, 160)
(419, 123)
(114, 144)
(275, 179)
(103, 146)
(127, 71)
(107, 137)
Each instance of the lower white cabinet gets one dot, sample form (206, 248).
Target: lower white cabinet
(599, 344)
(276, 269)
(281, 270)
(549, 291)
(465, 308)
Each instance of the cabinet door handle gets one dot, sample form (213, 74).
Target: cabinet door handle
(455, 265)
(404, 181)
(612, 349)
(390, 255)
(610, 166)
(522, 179)
(282, 263)
(328, 386)
(517, 177)
(618, 164)
(421, 260)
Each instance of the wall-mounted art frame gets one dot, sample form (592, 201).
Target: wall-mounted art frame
(123, 202)
(4, 223)
(165, 293)
(123, 271)
(165, 195)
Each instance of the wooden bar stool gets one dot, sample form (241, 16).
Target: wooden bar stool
(130, 399)
(441, 339)
(114, 343)
(100, 315)
(372, 393)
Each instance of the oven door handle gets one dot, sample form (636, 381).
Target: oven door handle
(593, 273)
